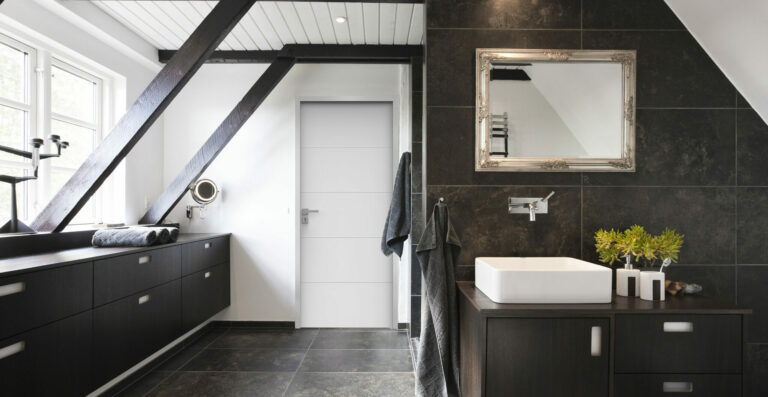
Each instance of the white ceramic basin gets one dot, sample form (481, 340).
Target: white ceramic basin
(542, 280)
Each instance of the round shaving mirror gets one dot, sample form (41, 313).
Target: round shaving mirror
(204, 191)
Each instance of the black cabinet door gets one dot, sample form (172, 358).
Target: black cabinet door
(118, 277)
(53, 360)
(678, 343)
(200, 255)
(204, 294)
(547, 357)
(130, 329)
(33, 299)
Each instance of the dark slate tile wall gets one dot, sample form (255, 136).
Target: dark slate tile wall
(417, 188)
(701, 150)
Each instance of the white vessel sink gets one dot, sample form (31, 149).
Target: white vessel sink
(542, 280)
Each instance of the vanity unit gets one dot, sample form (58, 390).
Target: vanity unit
(686, 346)
(72, 320)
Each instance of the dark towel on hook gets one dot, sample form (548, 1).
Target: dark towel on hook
(398, 224)
(437, 365)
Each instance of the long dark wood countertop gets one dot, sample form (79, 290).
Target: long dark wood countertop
(619, 305)
(20, 264)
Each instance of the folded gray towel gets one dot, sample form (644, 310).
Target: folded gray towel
(127, 237)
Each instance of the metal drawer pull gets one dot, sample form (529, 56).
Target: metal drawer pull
(207, 274)
(208, 245)
(144, 299)
(683, 326)
(145, 259)
(11, 349)
(677, 387)
(597, 341)
(10, 289)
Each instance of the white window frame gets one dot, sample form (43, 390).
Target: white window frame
(26, 190)
(96, 125)
(33, 195)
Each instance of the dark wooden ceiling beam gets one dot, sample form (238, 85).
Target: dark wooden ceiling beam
(316, 53)
(141, 115)
(219, 139)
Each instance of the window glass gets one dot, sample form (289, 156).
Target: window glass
(12, 65)
(72, 95)
(11, 131)
(58, 178)
(5, 193)
(80, 144)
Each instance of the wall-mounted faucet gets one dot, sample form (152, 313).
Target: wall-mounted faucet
(529, 205)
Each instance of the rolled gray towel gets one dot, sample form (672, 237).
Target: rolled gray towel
(174, 232)
(163, 235)
(128, 237)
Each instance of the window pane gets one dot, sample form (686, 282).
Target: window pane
(58, 179)
(71, 95)
(80, 144)
(12, 63)
(5, 194)
(12, 131)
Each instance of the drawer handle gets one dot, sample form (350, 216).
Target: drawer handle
(597, 341)
(144, 299)
(680, 326)
(12, 349)
(10, 289)
(208, 245)
(207, 274)
(677, 387)
(145, 259)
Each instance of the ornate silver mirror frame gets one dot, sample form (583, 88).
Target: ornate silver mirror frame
(483, 160)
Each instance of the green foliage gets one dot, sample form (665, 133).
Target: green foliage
(635, 241)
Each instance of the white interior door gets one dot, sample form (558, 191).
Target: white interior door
(346, 176)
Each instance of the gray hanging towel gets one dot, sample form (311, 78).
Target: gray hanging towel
(398, 224)
(437, 366)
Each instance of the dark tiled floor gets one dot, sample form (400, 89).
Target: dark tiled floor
(285, 362)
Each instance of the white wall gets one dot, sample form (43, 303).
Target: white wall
(48, 24)
(256, 171)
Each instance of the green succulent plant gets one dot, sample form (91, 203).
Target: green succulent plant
(611, 245)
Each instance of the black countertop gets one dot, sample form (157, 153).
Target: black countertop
(619, 305)
(20, 264)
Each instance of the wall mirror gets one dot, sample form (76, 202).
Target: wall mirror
(555, 110)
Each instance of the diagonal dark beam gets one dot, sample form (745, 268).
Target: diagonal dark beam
(142, 114)
(216, 142)
(316, 53)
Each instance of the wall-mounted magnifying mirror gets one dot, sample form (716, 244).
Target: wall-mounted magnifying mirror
(204, 192)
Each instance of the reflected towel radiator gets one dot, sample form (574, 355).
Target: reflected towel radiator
(500, 129)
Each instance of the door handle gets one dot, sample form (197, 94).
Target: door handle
(145, 259)
(144, 299)
(14, 288)
(597, 341)
(677, 387)
(12, 349)
(207, 275)
(681, 326)
(305, 215)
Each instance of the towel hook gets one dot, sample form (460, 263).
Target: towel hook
(441, 200)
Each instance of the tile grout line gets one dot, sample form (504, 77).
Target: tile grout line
(306, 352)
(182, 365)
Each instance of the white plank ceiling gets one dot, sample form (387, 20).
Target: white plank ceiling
(271, 24)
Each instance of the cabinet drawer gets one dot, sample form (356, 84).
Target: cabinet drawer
(33, 299)
(118, 277)
(53, 360)
(678, 343)
(697, 385)
(130, 329)
(204, 294)
(203, 254)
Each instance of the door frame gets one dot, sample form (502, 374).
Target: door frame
(394, 100)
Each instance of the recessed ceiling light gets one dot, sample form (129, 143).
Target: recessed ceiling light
(341, 19)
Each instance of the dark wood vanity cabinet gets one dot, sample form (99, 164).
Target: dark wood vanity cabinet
(684, 346)
(547, 357)
(68, 328)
